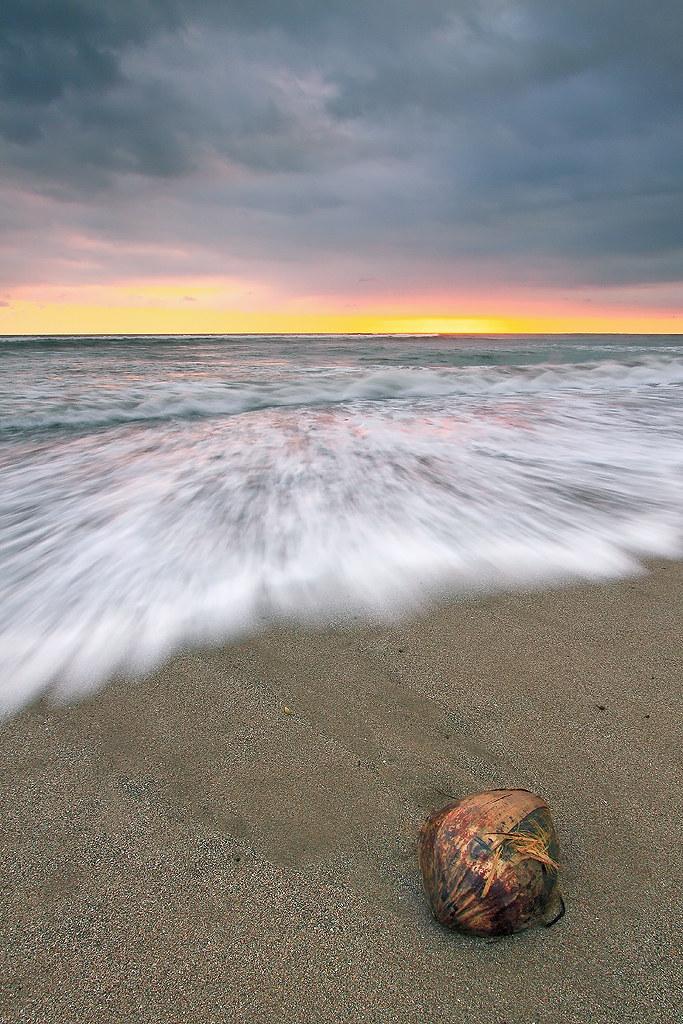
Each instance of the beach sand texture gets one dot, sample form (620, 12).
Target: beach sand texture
(233, 838)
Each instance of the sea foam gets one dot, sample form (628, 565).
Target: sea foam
(146, 514)
(50, 406)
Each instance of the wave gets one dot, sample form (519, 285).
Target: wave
(120, 546)
(261, 488)
(52, 407)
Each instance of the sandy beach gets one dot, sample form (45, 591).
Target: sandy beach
(233, 838)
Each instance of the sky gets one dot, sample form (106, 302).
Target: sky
(191, 166)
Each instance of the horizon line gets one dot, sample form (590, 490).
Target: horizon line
(341, 334)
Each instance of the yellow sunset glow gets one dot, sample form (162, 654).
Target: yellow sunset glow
(219, 306)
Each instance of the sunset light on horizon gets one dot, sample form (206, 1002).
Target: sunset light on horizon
(214, 306)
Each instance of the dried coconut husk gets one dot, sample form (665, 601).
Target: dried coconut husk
(490, 862)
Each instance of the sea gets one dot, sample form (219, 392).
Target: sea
(159, 492)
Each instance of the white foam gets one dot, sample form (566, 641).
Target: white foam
(118, 546)
(52, 406)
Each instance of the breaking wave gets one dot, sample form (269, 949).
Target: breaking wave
(110, 404)
(171, 519)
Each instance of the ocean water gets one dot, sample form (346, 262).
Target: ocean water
(160, 491)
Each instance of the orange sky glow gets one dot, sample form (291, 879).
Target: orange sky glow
(220, 306)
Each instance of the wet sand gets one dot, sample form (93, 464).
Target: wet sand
(233, 838)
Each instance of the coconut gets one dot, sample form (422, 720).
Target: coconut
(490, 863)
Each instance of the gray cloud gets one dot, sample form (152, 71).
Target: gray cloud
(426, 140)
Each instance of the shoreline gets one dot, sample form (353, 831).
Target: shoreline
(233, 837)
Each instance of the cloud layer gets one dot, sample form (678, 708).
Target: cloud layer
(425, 144)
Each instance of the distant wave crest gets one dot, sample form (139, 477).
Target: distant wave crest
(109, 405)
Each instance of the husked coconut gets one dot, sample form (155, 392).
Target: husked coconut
(490, 863)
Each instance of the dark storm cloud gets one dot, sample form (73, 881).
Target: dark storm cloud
(48, 46)
(538, 134)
